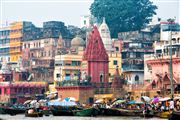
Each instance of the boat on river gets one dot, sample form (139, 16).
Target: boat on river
(86, 112)
(163, 114)
(126, 112)
(175, 115)
(11, 110)
(109, 112)
(34, 114)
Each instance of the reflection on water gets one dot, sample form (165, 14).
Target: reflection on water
(22, 117)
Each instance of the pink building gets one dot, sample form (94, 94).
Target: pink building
(161, 74)
(19, 92)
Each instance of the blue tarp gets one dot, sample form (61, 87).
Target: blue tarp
(63, 103)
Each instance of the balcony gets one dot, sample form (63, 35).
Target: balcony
(126, 68)
(74, 83)
(71, 67)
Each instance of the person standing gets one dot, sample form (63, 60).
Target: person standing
(171, 105)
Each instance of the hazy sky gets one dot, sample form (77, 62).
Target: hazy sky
(68, 11)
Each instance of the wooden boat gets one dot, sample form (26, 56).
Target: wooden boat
(125, 112)
(63, 111)
(147, 114)
(2, 110)
(13, 111)
(109, 112)
(175, 115)
(35, 114)
(164, 114)
(86, 112)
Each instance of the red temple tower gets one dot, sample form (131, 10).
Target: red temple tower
(97, 58)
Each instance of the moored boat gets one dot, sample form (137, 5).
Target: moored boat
(163, 114)
(125, 112)
(63, 110)
(34, 114)
(109, 112)
(175, 115)
(86, 112)
(2, 110)
(13, 111)
(147, 114)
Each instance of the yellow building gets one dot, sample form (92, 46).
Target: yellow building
(68, 66)
(114, 61)
(16, 37)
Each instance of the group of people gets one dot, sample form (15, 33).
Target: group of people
(168, 105)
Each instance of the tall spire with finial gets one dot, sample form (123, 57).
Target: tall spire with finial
(97, 58)
(105, 35)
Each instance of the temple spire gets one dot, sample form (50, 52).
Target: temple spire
(97, 58)
(104, 20)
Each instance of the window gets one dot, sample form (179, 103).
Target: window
(115, 62)
(57, 75)
(84, 22)
(137, 78)
(76, 63)
(117, 48)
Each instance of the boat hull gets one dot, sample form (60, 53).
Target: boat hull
(175, 115)
(36, 114)
(165, 114)
(86, 112)
(109, 112)
(125, 112)
(13, 111)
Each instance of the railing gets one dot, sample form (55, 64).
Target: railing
(72, 83)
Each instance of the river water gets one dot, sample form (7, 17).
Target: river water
(51, 117)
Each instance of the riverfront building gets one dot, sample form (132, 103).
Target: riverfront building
(4, 44)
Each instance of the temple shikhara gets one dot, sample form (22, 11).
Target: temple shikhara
(97, 58)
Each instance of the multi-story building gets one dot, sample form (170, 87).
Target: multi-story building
(135, 45)
(16, 39)
(68, 66)
(4, 44)
(158, 72)
(19, 92)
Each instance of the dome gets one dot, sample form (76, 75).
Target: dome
(77, 41)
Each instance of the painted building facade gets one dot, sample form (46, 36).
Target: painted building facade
(19, 92)
(157, 71)
(16, 39)
(68, 65)
(134, 46)
(4, 44)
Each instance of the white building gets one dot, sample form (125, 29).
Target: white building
(85, 21)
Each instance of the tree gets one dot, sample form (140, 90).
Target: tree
(123, 15)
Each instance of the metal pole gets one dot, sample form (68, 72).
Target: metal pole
(171, 67)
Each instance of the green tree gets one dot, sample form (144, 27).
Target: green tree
(123, 15)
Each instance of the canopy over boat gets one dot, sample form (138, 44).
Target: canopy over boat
(62, 103)
(119, 101)
(146, 99)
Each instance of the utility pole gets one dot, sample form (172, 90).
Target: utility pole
(171, 21)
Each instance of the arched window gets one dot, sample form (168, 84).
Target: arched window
(101, 78)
